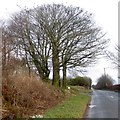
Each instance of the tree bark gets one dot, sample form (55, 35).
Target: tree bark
(56, 66)
(64, 83)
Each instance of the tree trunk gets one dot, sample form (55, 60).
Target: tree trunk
(3, 58)
(39, 69)
(64, 83)
(56, 66)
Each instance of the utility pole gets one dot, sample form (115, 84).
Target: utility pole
(104, 71)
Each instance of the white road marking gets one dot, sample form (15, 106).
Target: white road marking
(111, 96)
(91, 106)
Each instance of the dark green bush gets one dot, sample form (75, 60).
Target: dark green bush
(104, 82)
(80, 81)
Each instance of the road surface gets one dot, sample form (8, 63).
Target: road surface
(104, 104)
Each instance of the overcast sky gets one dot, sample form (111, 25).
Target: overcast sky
(105, 15)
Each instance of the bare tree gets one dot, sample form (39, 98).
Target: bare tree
(31, 42)
(65, 35)
(75, 39)
(114, 57)
(82, 51)
(7, 45)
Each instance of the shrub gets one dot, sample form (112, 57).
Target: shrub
(80, 81)
(104, 82)
(25, 95)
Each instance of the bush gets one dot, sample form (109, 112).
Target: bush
(24, 95)
(104, 82)
(80, 81)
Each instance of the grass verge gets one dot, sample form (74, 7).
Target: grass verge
(73, 107)
(80, 89)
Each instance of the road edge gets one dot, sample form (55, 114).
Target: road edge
(87, 107)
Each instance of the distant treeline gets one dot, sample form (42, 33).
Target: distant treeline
(106, 82)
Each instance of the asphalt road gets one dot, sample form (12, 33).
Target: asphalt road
(104, 104)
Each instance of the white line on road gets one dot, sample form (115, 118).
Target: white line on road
(111, 96)
(91, 106)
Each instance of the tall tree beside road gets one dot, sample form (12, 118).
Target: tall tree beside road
(65, 35)
(8, 45)
(33, 45)
(75, 39)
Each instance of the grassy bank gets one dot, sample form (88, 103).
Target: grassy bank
(73, 107)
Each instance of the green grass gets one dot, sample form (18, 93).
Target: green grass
(74, 107)
(79, 89)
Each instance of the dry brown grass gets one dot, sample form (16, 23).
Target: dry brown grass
(25, 95)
